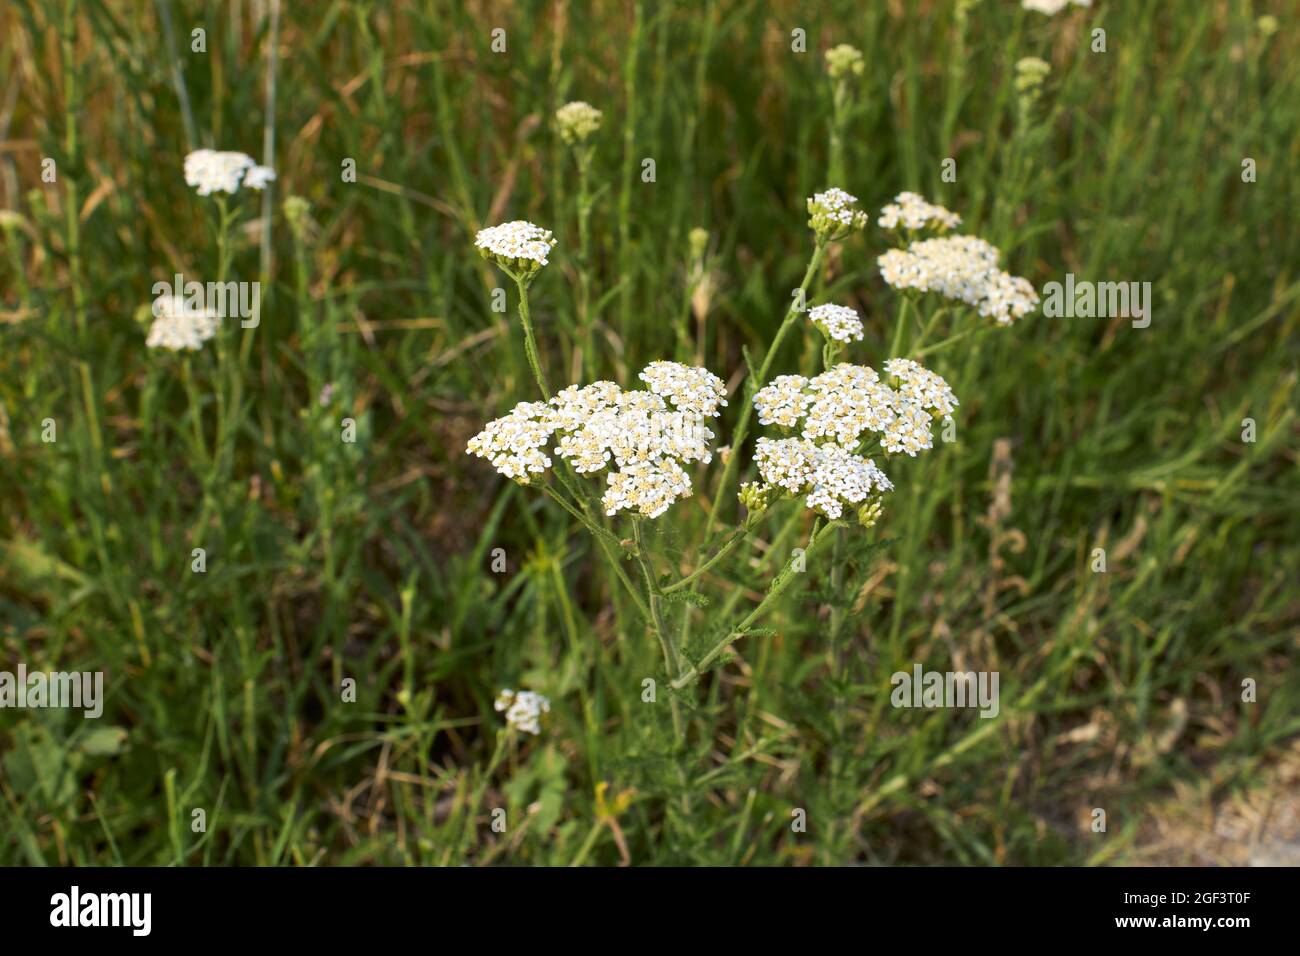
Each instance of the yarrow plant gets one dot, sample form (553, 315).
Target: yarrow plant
(220, 175)
(964, 269)
(180, 325)
(647, 440)
(211, 171)
(524, 710)
(652, 445)
(578, 122)
(844, 64)
(834, 215)
(521, 249)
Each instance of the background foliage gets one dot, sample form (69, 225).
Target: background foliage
(373, 560)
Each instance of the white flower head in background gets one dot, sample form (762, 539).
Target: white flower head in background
(913, 212)
(843, 61)
(519, 247)
(1052, 7)
(179, 326)
(524, 709)
(964, 268)
(577, 121)
(211, 171)
(838, 323)
(834, 214)
(643, 437)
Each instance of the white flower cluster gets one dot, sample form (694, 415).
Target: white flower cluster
(834, 214)
(524, 709)
(914, 212)
(1052, 7)
(837, 322)
(845, 401)
(918, 384)
(577, 121)
(178, 325)
(516, 444)
(690, 388)
(210, 170)
(831, 476)
(843, 61)
(964, 268)
(645, 439)
(517, 245)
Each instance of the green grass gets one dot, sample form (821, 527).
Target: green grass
(373, 560)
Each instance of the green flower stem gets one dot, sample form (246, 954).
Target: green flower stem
(72, 212)
(227, 405)
(839, 116)
(671, 658)
(747, 406)
(530, 342)
(899, 324)
(838, 672)
(191, 394)
(940, 346)
(583, 156)
(926, 329)
(734, 539)
(780, 584)
(603, 538)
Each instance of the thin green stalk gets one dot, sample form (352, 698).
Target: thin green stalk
(625, 269)
(672, 657)
(779, 585)
(747, 407)
(530, 341)
(602, 536)
(838, 673)
(734, 539)
(899, 324)
(73, 224)
(583, 156)
(192, 396)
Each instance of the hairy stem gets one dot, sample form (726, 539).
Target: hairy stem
(778, 587)
(530, 342)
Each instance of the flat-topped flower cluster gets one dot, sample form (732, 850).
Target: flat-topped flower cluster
(180, 325)
(838, 323)
(518, 245)
(834, 214)
(832, 412)
(524, 709)
(846, 400)
(964, 268)
(210, 170)
(646, 435)
(913, 212)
